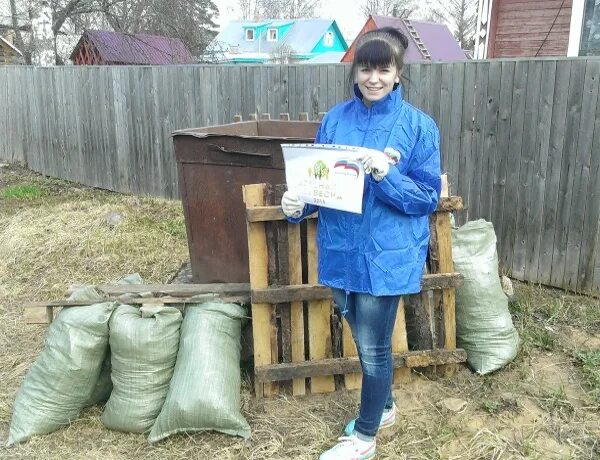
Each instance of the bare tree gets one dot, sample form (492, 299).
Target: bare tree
(460, 16)
(282, 54)
(395, 8)
(280, 9)
(14, 15)
(249, 8)
(189, 20)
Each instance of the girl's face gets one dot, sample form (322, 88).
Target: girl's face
(376, 83)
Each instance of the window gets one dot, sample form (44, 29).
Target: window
(249, 35)
(328, 39)
(272, 35)
(590, 31)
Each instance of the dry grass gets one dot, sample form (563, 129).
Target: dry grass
(542, 406)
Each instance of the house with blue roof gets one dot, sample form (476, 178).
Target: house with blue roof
(277, 41)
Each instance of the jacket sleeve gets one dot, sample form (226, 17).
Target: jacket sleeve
(320, 138)
(416, 192)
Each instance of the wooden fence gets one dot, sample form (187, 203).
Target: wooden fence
(520, 138)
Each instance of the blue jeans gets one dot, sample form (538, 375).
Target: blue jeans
(371, 320)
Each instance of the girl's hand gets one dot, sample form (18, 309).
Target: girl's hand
(291, 205)
(376, 163)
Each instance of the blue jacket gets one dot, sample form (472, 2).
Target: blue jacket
(383, 250)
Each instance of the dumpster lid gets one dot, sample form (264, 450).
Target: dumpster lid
(263, 129)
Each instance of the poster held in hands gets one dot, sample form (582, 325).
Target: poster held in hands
(326, 175)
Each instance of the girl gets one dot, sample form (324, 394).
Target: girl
(371, 259)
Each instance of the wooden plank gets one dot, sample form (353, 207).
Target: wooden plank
(291, 293)
(588, 281)
(489, 140)
(466, 138)
(165, 300)
(175, 290)
(445, 114)
(580, 204)
(271, 213)
(511, 197)
(400, 343)
(425, 87)
(296, 308)
(322, 88)
(263, 321)
(527, 159)
(540, 172)
(331, 87)
(341, 83)
(435, 91)
(477, 148)
(308, 292)
(565, 190)
(453, 136)
(423, 84)
(292, 93)
(319, 314)
(278, 274)
(444, 305)
(553, 173)
(284, 81)
(323, 368)
(353, 380)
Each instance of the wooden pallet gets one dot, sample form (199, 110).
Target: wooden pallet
(300, 343)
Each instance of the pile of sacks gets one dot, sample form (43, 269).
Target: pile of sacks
(159, 372)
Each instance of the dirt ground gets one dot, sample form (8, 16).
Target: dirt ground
(544, 405)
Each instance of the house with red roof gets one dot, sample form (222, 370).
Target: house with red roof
(100, 47)
(427, 41)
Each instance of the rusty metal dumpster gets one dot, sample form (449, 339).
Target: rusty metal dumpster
(213, 163)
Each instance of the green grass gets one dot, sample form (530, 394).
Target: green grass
(22, 192)
(539, 314)
(589, 360)
(174, 227)
(555, 401)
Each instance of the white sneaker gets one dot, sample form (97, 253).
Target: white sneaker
(388, 418)
(350, 448)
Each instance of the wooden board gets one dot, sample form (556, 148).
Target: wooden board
(580, 204)
(444, 308)
(466, 139)
(567, 177)
(299, 292)
(264, 328)
(553, 172)
(400, 343)
(590, 253)
(327, 367)
(529, 149)
(270, 213)
(490, 138)
(296, 308)
(174, 290)
(319, 314)
(540, 171)
(511, 196)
